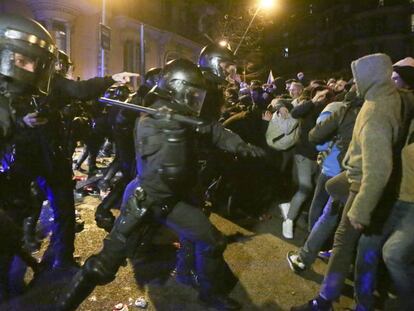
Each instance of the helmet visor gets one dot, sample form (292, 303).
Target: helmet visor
(29, 70)
(194, 98)
(24, 62)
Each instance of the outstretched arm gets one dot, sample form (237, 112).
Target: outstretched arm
(229, 141)
(88, 89)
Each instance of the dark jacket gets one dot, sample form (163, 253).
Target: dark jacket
(39, 149)
(249, 126)
(340, 124)
(63, 89)
(166, 170)
(307, 112)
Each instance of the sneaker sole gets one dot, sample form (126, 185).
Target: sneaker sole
(287, 237)
(292, 266)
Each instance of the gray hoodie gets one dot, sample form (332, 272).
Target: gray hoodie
(369, 160)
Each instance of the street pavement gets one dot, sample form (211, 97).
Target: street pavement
(257, 256)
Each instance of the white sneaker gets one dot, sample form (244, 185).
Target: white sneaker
(287, 229)
(284, 209)
(295, 263)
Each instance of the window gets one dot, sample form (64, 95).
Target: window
(311, 9)
(60, 35)
(131, 56)
(381, 3)
(286, 52)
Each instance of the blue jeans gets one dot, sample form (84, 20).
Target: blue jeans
(321, 231)
(338, 189)
(320, 199)
(398, 252)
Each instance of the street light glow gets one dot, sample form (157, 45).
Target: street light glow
(267, 4)
(223, 43)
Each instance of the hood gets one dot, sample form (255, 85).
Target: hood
(372, 74)
(405, 68)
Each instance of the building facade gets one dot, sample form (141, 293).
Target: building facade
(323, 37)
(169, 31)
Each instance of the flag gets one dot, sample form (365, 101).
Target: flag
(270, 78)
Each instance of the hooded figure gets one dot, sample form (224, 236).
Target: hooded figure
(403, 74)
(369, 160)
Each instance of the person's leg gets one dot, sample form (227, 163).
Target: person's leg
(101, 268)
(320, 233)
(212, 271)
(366, 266)
(338, 187)
(62, 241)
(287, 156)
(5, 263)
(320, 198)
(60, 196)
(305, 169)
(345, 242)
(103, 215)
(398, 253)
(82, 157)
(185, 266)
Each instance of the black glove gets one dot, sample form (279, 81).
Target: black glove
(248, 150)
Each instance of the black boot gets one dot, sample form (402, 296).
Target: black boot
(79, 289)
(184, 269)
(104, 219)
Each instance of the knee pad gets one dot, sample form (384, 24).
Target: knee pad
(133, 214)
(100, 270)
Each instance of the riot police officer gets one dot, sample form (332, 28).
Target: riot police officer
(213, 62)
(29, 89)
(27, 60)
(162, 190)
(123, 136)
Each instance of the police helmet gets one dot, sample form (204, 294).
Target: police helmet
(151, 77)
(214, 59)
(27, 55)
(119, 92)
(64, 63)
(185, 83)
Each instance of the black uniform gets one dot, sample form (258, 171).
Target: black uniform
(40, 156)
(166, 173)
(60, 191)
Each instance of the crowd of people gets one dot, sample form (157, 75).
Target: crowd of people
(341, 146)
(349, 141)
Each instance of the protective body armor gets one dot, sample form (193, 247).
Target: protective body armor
(165, 155)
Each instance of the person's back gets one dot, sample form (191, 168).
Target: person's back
(376, 131)
(369, 164)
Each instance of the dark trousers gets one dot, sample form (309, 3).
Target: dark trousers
(191, 224)
(368, 246)
(60, 196)
(320, 198)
